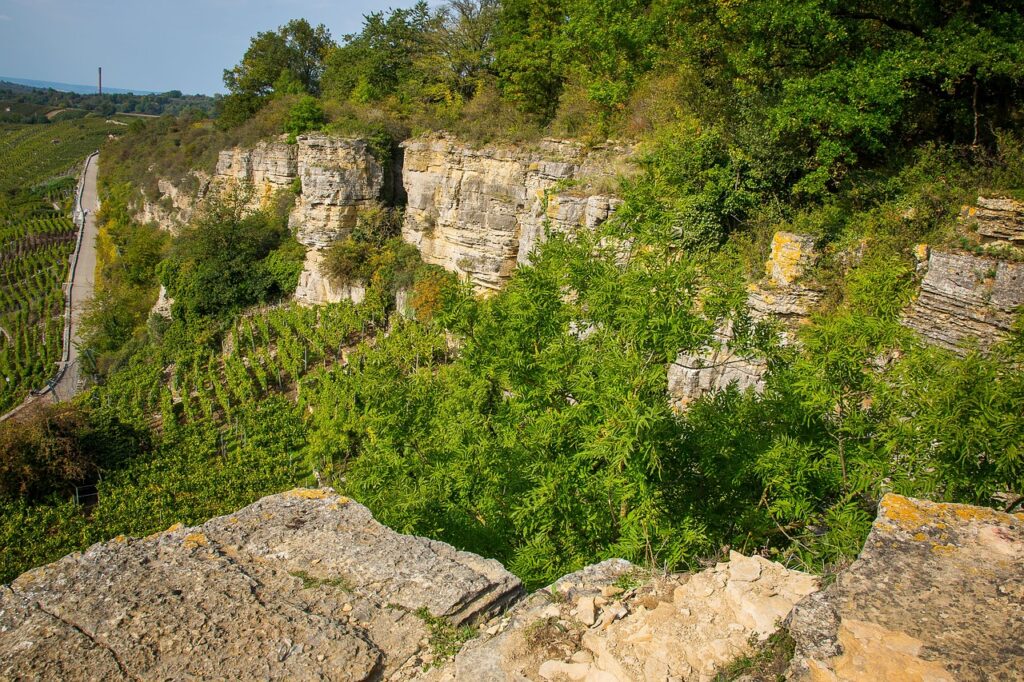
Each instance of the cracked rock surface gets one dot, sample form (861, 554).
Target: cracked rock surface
(302, 585)
(935, 595)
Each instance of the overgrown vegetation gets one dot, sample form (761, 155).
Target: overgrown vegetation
(533, 426)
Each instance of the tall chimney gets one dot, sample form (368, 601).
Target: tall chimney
(101, 80)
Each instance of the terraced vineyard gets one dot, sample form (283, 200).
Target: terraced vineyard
(39, 165)
(32, 154)
(36, 238)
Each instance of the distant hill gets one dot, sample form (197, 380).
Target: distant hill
(69, 87)
(27, 101)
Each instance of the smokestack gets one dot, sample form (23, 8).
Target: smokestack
(101, 80)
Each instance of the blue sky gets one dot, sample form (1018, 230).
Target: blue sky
(153, 44)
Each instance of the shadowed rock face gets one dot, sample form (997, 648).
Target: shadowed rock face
(937, 594)
(999, 221)
(480, 212)
(303, 585)
(966, 300)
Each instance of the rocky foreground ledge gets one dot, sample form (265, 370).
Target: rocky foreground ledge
(306, 585)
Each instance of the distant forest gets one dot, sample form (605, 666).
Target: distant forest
(25, 104)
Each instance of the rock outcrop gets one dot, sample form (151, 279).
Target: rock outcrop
(315, 288)
(998, 221)
(966, 300)
(937, 594)
(480, 212)
(176, 203)
(303, 585)
(336, 179)
(163, 305)
(307, 585)
(781, 298)
(339, 178)
(265, 169)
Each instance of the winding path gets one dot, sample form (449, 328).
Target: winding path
(82, 280)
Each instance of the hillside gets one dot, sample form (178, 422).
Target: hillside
(559, 283)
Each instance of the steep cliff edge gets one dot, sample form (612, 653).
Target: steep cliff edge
(480, 212)
(306, 585)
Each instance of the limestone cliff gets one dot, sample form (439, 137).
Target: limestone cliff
(307, 585)
(175, 204)
(336, 178)
(480, 212)
(339, 177)
(267, 168)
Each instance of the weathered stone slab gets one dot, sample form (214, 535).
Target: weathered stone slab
(303, 585)
(936, 594)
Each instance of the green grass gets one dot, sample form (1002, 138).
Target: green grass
(445, 639)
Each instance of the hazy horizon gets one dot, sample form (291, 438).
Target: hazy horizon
(153, 45)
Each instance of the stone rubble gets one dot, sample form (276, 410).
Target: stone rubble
(588, 627)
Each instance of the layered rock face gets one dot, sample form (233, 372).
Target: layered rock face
(479, 212)
(303, 585)
(780, 297)
(936, 594)
(340, 177)
(998, 221)
(966, 300)
(267, 168)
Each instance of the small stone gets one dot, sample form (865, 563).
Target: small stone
(551, 670)
(612, 614)
(586, 611)
(551, 611)
(743, 569)
(611, 591)
(346, 608)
